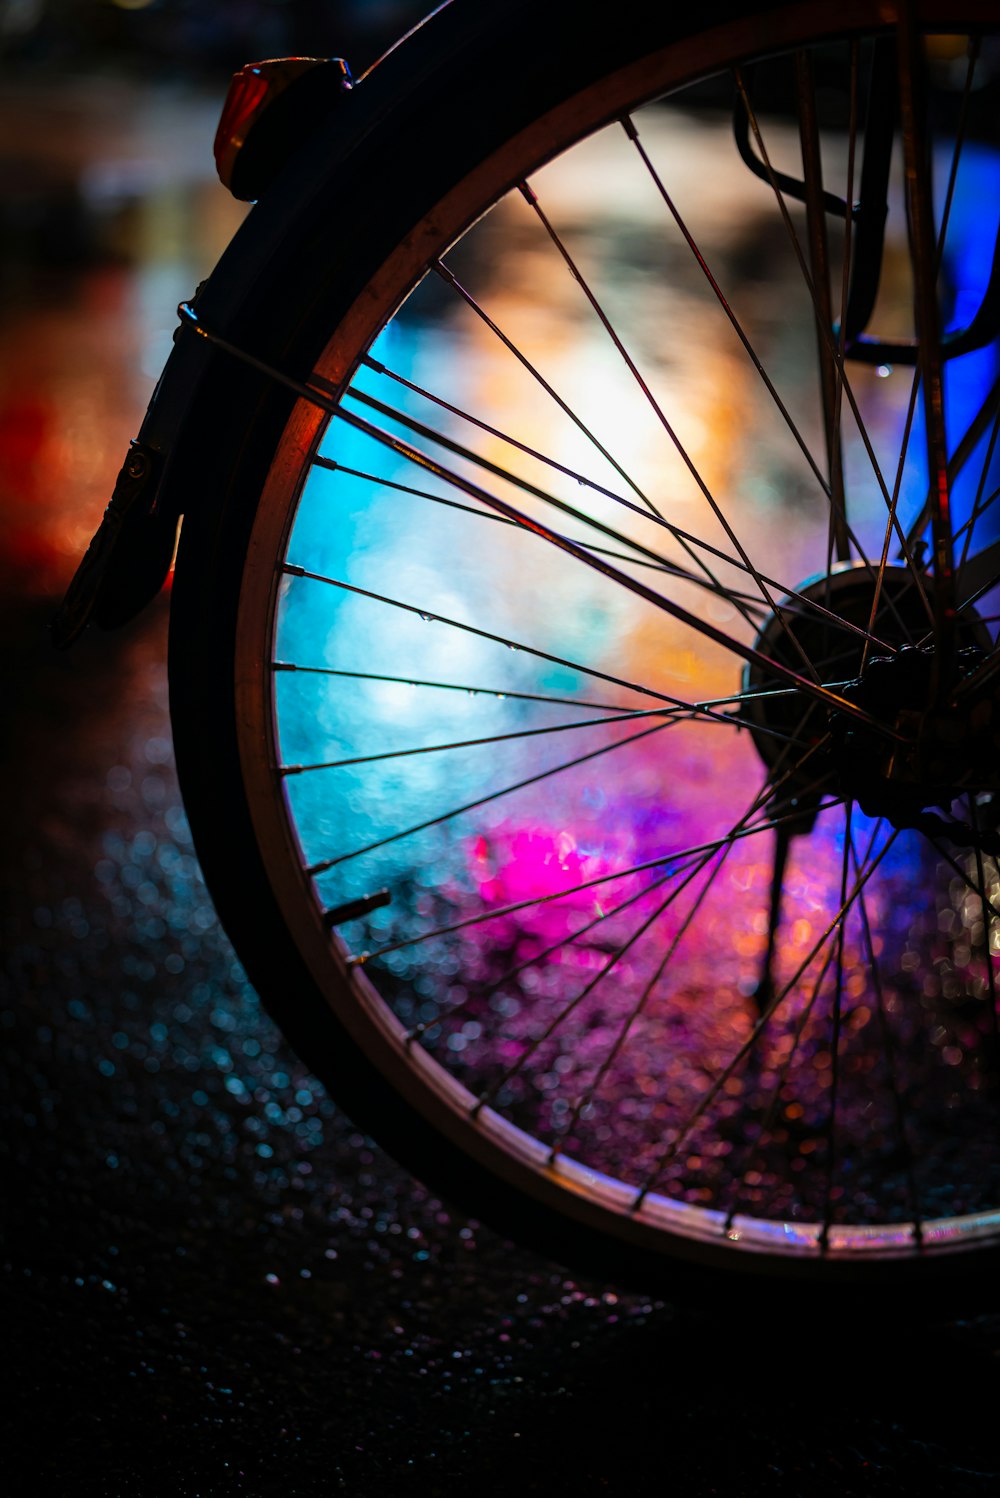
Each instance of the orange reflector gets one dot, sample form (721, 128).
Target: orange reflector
(252, 89)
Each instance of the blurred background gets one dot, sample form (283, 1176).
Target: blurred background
(110, 213)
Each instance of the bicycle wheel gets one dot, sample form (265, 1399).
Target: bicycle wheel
(564, 708)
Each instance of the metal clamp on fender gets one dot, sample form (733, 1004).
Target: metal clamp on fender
(127, 560)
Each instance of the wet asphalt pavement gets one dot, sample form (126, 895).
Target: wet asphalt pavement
(214, 1284)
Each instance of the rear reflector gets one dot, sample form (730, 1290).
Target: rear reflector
(253, 89)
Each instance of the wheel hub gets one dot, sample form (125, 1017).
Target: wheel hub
(939, 756)
(913, 754)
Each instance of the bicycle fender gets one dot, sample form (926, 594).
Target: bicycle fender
(128, 559)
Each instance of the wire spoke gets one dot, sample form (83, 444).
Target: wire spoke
(563, 941)
(497, 693)
(650, 510)
(827, 334)
(752, 1153)
(486, 1098)
(751, 606)
(920, 227)
(991, 981)
(701, 710)
(628, 125)
(794, 600)
(779, 776)
(838, 995)
(507, 790)
(839, 532)
(977, 889)
(990, 499)
(766, 793)
(678, 856)
(633, 585)
(888, 1053)
(502, 436)
(532, 199)
(890, 523)
(633, 134)
(700, 858)
(991, 977)
(974, 431)
(684, 713)
(713, 1091)
(484, 634)
(691, 544)
(574, 936)
(773, 783)
(632, 1018)
(452, 280)
(961, 453)
(979, 505)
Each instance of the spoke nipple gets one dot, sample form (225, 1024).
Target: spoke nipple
(359, 960)
(527, 193)
(292, 569)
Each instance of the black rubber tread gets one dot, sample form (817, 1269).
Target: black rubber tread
(471, 77)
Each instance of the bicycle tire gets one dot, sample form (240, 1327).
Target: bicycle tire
(278, 295)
